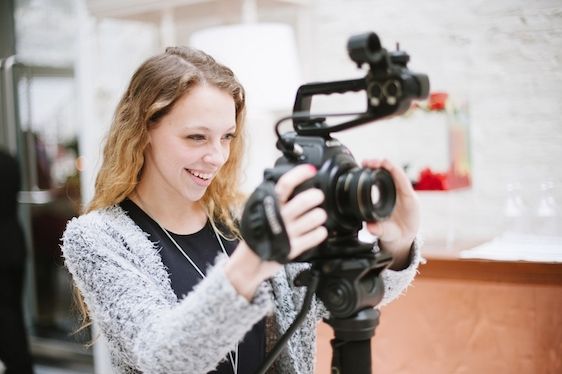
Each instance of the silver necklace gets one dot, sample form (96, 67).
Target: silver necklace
(233, 356)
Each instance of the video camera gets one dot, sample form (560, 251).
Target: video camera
(345, 271)
(352, 194)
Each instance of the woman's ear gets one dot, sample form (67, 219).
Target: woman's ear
(148, 137)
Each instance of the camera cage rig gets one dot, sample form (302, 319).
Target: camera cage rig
(389, 85)
(349, 286)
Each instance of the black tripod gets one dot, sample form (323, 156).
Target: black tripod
(350, 288)
(351, 347)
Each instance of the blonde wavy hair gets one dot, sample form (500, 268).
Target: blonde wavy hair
(154, 89)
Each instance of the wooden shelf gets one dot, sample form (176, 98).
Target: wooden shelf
(443, 263)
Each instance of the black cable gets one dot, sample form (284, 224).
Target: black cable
(313, 285)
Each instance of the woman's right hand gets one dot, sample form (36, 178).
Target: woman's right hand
(304, 225)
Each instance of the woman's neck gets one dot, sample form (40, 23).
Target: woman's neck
(175, 215)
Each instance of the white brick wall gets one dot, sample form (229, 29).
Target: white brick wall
(504, 56)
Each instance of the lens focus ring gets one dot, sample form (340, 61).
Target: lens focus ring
(366, 194)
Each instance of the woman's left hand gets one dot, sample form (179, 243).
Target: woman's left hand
(397, 233)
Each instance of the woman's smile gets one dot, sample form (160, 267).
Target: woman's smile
(200, 178)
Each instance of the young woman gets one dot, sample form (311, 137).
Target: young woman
(158, 258)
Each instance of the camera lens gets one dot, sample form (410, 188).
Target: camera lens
(366, 194)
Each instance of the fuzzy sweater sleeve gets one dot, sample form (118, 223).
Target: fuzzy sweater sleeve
(145, 328)
(397, 281)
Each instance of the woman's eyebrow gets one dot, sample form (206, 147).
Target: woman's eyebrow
(208, 129)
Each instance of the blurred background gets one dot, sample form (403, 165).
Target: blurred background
(496, 64)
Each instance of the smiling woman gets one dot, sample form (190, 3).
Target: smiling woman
(158, 257)
(186, 150)
(156, 99)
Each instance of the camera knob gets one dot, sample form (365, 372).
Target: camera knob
(339, 296)
(400, 58)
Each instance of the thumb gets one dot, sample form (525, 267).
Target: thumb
(386, 231)
(376, 228)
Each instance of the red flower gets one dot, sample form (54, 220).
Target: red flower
(431, 181)
(437, 100)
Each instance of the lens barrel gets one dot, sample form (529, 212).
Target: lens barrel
(366, 194)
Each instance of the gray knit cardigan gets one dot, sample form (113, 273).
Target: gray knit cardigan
(128, 293)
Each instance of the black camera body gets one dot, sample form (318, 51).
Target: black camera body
(353, 195)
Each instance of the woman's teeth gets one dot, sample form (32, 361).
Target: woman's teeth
(203, 176)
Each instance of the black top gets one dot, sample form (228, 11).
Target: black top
(202, 247)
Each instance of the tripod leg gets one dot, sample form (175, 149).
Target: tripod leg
(351, 347)
(351, 357)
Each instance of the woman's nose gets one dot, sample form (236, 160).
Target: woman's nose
(216, 154)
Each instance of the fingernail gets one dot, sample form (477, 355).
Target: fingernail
(312, 167)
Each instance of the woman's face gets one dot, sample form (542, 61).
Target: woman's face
(189, 145)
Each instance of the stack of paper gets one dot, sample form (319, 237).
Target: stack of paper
(518, 247)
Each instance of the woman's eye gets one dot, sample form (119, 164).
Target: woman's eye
(196, 137)
(229, 137)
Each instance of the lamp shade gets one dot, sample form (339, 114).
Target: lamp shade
(262, 55)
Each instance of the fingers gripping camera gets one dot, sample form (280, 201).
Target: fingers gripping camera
(262, 226)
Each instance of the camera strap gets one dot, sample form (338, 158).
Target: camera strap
(262, 226)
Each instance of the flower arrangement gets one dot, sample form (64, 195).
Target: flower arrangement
(458, 174)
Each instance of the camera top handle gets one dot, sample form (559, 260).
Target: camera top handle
(389, 85)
